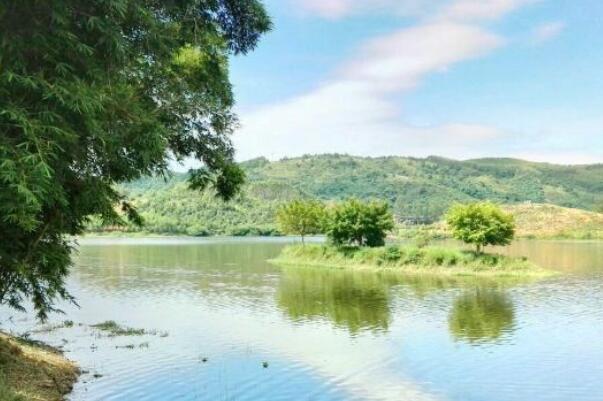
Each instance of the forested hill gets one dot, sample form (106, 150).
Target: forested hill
(418, 189)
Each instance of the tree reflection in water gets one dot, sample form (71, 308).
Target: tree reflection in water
(481, 316)
(351, 300)
(361, 301)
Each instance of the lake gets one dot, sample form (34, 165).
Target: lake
(226, 325)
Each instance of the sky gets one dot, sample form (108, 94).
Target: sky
(454, 78)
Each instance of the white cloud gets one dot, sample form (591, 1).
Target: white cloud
(336, 9)
(477, 10)
(547, 31)
(400, 60)
(355, 113)
(458, 10)
(560, 157)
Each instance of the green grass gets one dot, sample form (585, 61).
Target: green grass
(410, 260)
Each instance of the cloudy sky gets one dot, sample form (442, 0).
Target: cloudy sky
(454, 78)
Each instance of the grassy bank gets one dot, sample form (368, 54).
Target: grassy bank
(33, 372)
(410, 260)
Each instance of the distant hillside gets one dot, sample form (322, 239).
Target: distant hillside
(417, 189)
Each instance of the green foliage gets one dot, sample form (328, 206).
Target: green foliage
(481, 224)
(93, 93)
(357, 223)
(301, 217)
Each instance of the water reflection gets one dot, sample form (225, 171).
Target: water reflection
(354, 301)
(362, 301)
(481, 316)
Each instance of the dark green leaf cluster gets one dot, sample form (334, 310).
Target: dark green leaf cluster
(98, 92)
(356, 223)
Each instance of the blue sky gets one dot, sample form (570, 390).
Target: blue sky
(455, 78)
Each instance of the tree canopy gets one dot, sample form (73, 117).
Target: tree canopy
(481, 224)
(358, 223)
(94, 93)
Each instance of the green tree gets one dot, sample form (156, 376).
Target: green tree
(481, 224)
(301, 217)
(97, 92)
(358, 223)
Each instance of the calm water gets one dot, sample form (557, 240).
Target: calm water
(327, 335)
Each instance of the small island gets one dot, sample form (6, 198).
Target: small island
(356, 233)
(410, 260)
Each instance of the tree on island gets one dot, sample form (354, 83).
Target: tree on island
(301, 217)
(94, 93)
(358, 223)
(481, 224)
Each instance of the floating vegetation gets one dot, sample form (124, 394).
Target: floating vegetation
(133, 346)
(115, 330)
(52, 327)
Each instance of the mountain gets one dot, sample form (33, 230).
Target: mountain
(418, 189)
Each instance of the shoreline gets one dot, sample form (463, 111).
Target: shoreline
(148, 234)
(31, 370)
